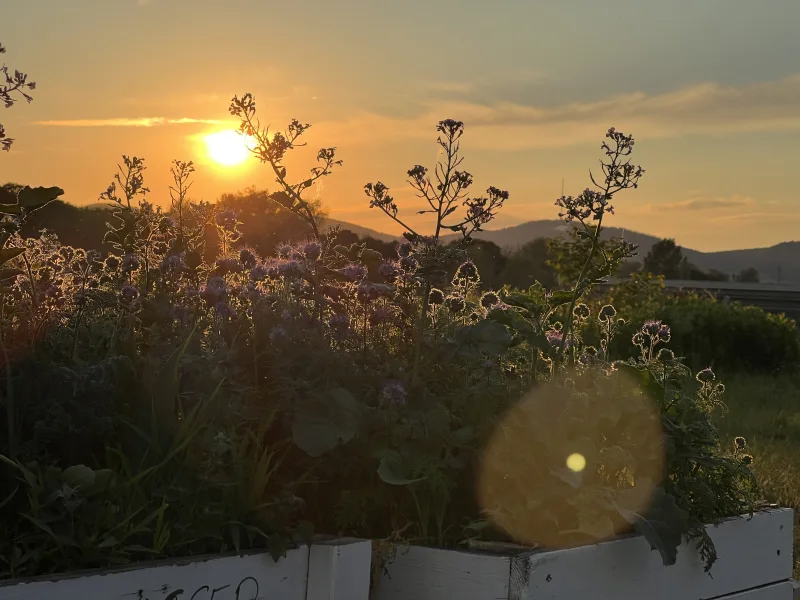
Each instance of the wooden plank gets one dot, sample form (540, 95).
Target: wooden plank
(251, 577)
(752, 553)
(339, 570)
(418, 573)
(778, 591)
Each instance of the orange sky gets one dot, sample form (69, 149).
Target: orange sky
(710, 90)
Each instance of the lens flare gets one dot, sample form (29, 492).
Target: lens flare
(569, 464)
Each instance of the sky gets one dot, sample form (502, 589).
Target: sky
(710, 90)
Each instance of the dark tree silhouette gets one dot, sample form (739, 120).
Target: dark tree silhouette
(749, 275)
(666, 258)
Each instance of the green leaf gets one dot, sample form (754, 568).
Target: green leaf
(322, 423)
(370, 256)
(484, 337)
(390, 471)
(78, 477)
(6, 274)
(34, 198)
(663, 527)
(6, 254)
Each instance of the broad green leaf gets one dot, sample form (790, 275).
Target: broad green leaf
(79, 477)
(663, 526)
(6, 254)
(370, 256)
(34, 198)
(7, 274)
(322, 423)
(390, 471)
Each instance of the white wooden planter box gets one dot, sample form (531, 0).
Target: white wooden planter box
(333, 570)
(755, 563)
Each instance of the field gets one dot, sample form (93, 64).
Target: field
(766, 411)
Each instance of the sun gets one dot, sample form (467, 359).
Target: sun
(229, 148)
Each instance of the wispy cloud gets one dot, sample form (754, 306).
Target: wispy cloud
(704, 109)
(124, 122)
(708, 203)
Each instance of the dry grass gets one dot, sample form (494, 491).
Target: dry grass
(766, 411)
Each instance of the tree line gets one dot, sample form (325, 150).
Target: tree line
(265, 224)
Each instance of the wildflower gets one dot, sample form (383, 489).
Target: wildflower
(474, 317)
(172, 263)
(389, 269)
(112, 262)
(312, 250)
(227, 265)
(404, 249)
(214, 290)
(706, 375)
(248, 258)
(651, 328)
(590, 351)
(581, 311)
(489, 299)
(466, 273)
(355, 271)
(747, 460)
(487, 364)
(408, 263)
(366, 292)
(436, 297)
(664, 333)
(227, 219)
(666, 355)
(740, 443)
(223, 310)
(290, 268)
(128, 294)
(607, 313)
(130, 263)
(283, 250)
(455, 304)
(638, 339)
(554, 337)
(393, 393)
(258, 273)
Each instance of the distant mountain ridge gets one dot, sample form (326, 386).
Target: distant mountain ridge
(780, 263)
(775, 264)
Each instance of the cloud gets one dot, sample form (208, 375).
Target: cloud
(706, 203)
(123, 122)
(705, 109)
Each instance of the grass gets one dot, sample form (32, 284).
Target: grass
(766, 411)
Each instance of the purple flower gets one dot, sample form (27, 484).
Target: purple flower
(389, 269)
(312, 250)
(248, 258)
(408, 263)
(130, 263)
(404, 249)
(214, 290)
(355, 271)
(259, 273)
(651, 328)
(393, 393)
(223, 310)
(466, 273)
(366, 292)
(283, 250)
(664, 333)
(112, 262)
(128, 294)
(172, 263)
(290, 268)
(554, 337)
(278, 334)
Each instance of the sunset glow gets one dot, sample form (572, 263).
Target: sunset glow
(229, 148)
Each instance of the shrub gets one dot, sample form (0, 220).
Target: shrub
(330, 383)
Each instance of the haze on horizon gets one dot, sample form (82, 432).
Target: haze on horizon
(710, 89)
